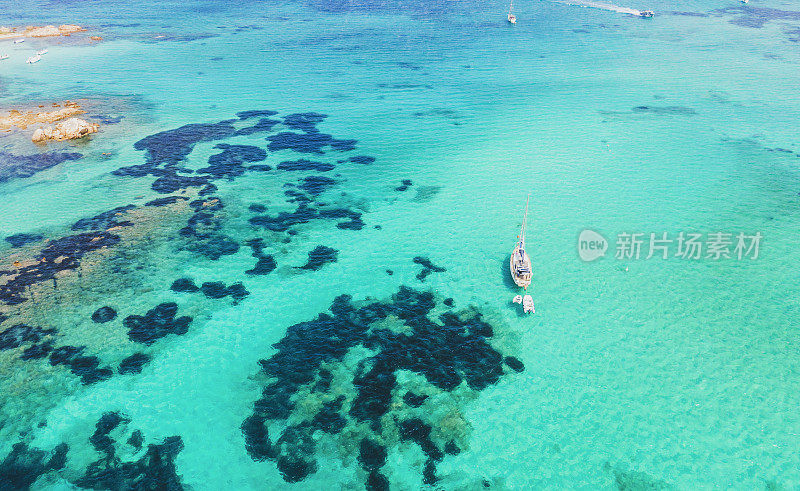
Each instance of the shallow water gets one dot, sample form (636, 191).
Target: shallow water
(636, 372)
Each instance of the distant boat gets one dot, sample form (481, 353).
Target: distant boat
(744, 1)
(3, 57)
(646, 14)
(17, 41)
(33, 59)
(511, 17)
(42, 52)
(520, 262)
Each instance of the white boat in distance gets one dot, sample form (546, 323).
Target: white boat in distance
(3, 57)
(42, 52)
(511, 17)
(17, 41)
(520, 262)
(33, 59)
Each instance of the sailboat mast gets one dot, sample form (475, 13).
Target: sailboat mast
(511, 7)
(525, 220)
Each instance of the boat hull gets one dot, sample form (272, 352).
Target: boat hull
(520, 266)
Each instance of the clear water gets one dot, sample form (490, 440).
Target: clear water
(649, 372)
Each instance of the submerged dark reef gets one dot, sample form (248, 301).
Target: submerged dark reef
(23, 465)
(204, 233)
(427, 267)
(367, 398)
(756, 17)
(319, 257)
(62, 254)
(154, 470)
(98, 245)
(116, 445)
(21, 166)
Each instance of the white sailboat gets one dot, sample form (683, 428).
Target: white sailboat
(511, 17)
(33, 59)
(520, 262)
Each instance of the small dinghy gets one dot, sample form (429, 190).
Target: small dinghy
(41, 52)
(646, 14)
(527, 305)
(518, 299)
(17, 41)
(3, 57)
(33, 59)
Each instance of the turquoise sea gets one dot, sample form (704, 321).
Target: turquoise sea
(282, 262)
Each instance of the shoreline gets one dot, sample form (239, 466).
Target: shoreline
(39, 31)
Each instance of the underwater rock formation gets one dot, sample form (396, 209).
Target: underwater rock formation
(85, 367)
(60, 255)
(316, 185)
(167, 200)
(319, 257)
(156, 323)
(304, 164)
(104, 314)
(105, 220)
(211, 289)
(427, 267)
(133, 363)
(304, 121)
(313, 142)
(404, 185)
(305, 213)
(19, 334)
(19, 240)
(629, 480)
(184, 285)
(154, 470)
(229, 163)
(217, 289)
(203, 230)
(21, 166)
(115, 469)
(264, 265)
(266, 262)
(359, 159)
(453, 353)
(24, 465)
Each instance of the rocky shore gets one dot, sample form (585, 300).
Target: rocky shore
(39, 31)
(68, 127)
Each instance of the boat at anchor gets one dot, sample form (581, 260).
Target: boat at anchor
(511, 17)
(520, 262)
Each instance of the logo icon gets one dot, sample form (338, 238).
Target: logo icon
(591, 245)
